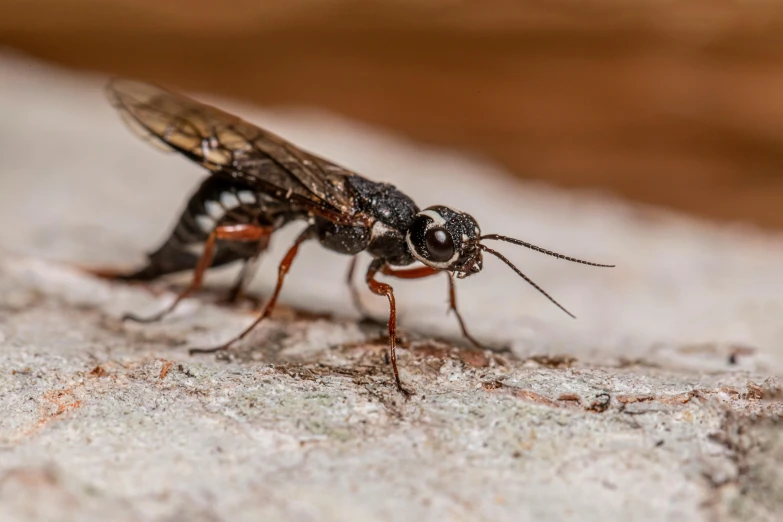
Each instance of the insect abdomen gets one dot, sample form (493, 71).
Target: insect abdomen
(217, 201)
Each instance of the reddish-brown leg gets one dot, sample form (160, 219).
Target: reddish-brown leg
(226, 233)
(453, 307)
(102, 272)
(425, 271)
(409, 273)
(282, 270)
(383, 289)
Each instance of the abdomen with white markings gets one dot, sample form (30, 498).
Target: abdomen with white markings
(218, 201)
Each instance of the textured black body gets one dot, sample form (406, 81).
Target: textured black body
(383, 236)
(259, 182)
(391, 212)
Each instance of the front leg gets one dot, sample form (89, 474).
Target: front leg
(409, 273)
(453, 307)
(425, 271)
(379, 288)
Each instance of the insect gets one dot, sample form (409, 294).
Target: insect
(259, 183)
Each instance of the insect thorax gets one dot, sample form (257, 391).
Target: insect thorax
(391, 211)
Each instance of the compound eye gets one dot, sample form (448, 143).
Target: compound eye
(439, 244)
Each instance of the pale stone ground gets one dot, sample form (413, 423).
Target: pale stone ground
(661, 402)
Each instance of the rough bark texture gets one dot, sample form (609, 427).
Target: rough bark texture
(661, 402)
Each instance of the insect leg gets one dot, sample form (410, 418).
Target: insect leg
(226, 233)
(379, 288)
(246, 273)
(235, 292)
(453, 307)
(425, 271)
(409, 273)
(282, 270)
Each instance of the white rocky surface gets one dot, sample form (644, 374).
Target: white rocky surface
(661, 402)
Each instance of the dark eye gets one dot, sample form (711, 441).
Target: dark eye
(439, 244)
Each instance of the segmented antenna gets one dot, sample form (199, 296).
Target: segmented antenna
(542, 250)
(526, 278)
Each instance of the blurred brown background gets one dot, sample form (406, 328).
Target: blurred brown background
(674, 103)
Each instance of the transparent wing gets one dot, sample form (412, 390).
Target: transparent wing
(222, 142)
